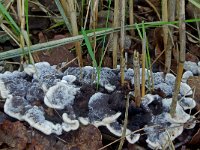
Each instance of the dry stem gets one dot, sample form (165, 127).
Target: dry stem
(136, 64)
(182, 37)
(122, 34)
(115, 35)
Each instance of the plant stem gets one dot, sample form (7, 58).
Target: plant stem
(122, 35)
(71, 12)
(115, 35)
(168, 52)
(182, 37)
(131, 16)
(136, 66)
(143, 63)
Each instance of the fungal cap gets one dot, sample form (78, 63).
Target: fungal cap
(187, 103)
(29, 69)
(11, 110)
(111, 118)
(185, 89)
(3, 91)
(69, 124)
(69, 78)
(84, 121)
(60, 95)
(35, 117)
(115, 128)
(131, 137)
(180, 115)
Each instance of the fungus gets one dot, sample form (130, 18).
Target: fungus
(158, 78)
(187, 103)
(84, 121)
(12, 83)
(180, 115)
(34, 92)
(186, 75)
(165, 88)
(108, 79)
(170, 79)
(191, 66)
(69, 123)
(35, 117)
(160, 137)
(132, 137)
(147, 73)
(116, 129)
(18, 107)
(185, 89)
(84, 74)
(43, 82)
(29, 69)
(69, 78)
(166, 84)
(163, 128)
(60, 95)
(87, 75)
(99, 111)
(46, 75)
(15, 106)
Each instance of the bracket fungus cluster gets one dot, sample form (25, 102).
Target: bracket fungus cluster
(51, 101)
(193, 67)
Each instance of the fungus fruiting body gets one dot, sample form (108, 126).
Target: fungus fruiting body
(30, 94)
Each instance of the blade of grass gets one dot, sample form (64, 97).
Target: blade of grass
(9, 19)
(60, 8)
(195, 3)
(43, 46)
(91, 53)
(89, 47)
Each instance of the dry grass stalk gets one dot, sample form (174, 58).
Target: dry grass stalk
(122, 35)
(20, 10)
(165, 35)
(115, 45)
(136, 64)
(93, 24)
(143, 63)
(131, 16)
(21, 16)
(154, 8)
(168, 52)
(69, 7)
(94, 14)
(182, 37)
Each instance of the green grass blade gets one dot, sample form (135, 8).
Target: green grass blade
(138, 29)
(195, 3)
(91, 53)
(60, 8)
(9, 19)
(89, 47)
(51, 44)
